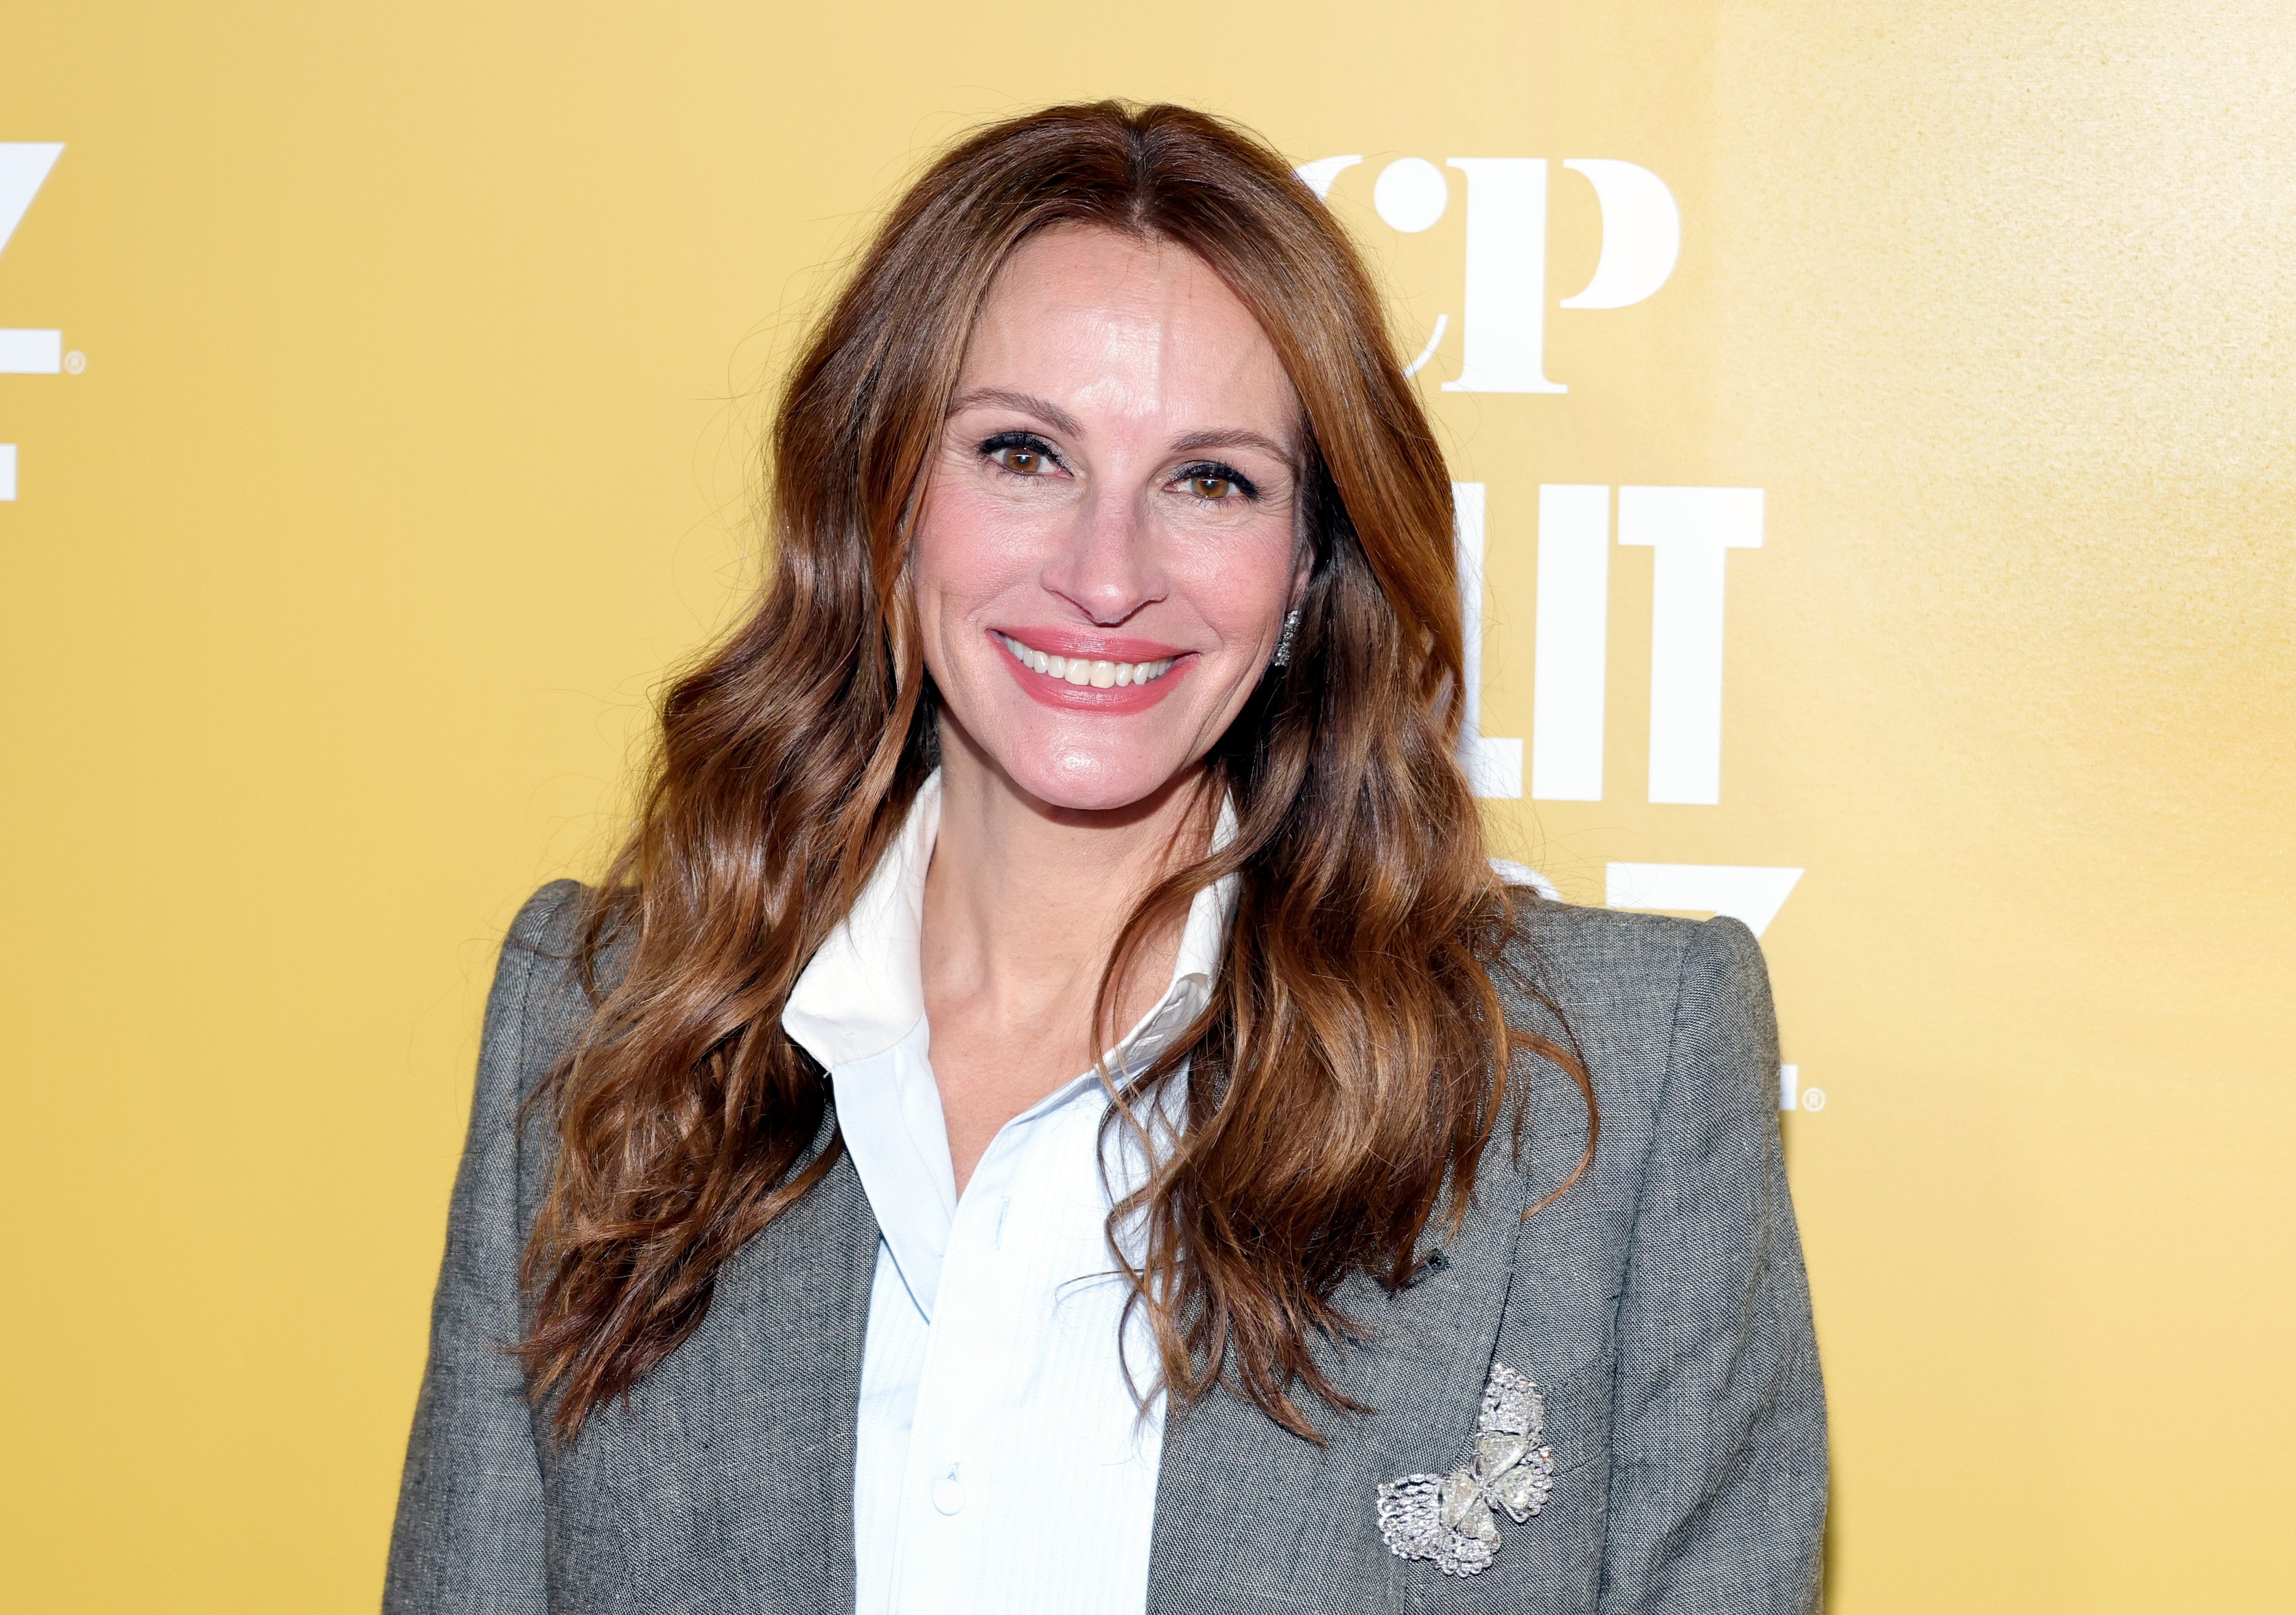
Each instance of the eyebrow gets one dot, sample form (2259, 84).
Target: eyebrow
(1052, 415)
(1233, 437)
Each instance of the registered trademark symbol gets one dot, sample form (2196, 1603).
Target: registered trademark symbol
(75, 361)
(1813, 1099)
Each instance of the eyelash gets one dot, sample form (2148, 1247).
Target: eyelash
(1219, 470)
(1033, 444)
(1027, 440)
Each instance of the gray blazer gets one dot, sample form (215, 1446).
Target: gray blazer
(1659, 1305)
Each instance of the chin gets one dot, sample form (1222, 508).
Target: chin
(1085, 779)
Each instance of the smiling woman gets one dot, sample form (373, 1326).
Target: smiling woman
(1052, 1109)
(1114, 508)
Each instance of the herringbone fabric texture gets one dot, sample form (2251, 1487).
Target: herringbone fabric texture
(1659, 1305)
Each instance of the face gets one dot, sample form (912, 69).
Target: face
(1108, 543)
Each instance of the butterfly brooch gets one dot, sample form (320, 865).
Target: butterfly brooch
(1451, 1518)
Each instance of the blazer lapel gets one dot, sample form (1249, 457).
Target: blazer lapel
(1251, 1517)
(733, 1471)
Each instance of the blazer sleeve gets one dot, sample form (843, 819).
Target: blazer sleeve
(1718, 1460)
(469, 1537)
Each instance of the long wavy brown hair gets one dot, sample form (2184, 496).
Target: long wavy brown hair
(1353, 1064)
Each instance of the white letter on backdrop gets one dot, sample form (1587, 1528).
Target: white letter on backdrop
(1318, 175)
(1573, 623)
(1642, 233)
(1505, 340)
(1746, 892)
(1494, 764)
(24, 166)
(1691, 528)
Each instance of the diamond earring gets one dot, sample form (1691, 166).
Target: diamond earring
(1283, 657)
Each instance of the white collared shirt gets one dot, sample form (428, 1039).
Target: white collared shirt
(1003, 1464)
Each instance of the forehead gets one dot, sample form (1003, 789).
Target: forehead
(1074, 307)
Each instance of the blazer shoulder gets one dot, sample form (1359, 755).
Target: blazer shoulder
(1638, 990)
(544, 946)
(548, 922)
(1563, 945)
(540, 1001)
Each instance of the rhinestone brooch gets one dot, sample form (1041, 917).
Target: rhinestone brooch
(1452, 1519)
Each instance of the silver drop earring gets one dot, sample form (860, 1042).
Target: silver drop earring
(1283, 657)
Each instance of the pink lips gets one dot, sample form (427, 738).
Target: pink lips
(1071, 644)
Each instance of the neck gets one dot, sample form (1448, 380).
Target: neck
(1023, 900)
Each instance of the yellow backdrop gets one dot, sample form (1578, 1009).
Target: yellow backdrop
(382, 384)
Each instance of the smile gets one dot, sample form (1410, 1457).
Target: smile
(1096, 674)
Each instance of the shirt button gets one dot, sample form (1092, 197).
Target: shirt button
(949, 1493)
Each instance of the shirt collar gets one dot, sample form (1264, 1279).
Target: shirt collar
(862, 993)
(859, 1008)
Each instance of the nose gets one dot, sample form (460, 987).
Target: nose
(1107, 565)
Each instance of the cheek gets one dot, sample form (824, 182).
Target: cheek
(969, 548)
(1241, 582)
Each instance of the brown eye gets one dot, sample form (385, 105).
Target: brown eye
(1211, 488)
(1021, 462)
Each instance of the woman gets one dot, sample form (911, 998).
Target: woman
(1052, 1109)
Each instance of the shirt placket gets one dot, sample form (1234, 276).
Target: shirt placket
(951, 1507)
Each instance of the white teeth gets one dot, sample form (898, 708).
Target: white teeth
(1100, 675)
